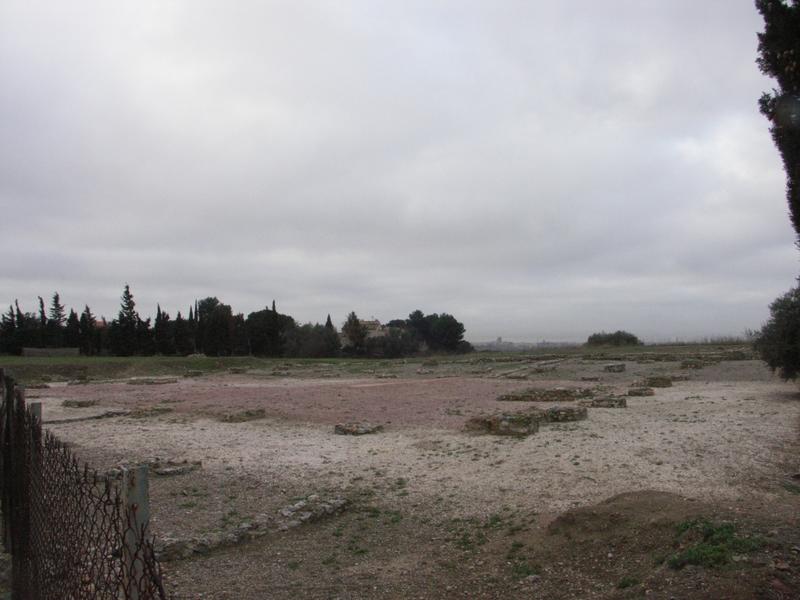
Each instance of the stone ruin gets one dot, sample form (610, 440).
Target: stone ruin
(158, 466)
(692, 363)
(551, 395)
(244, 415)
(607, 402)
(526, 423)
(641, 391)
(519, 424)
(309, 509)
(356, 428)
(658, 381)
(563, 414)
(152, 380)
(74, 403)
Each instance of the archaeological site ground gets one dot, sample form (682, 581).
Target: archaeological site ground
(659, 472)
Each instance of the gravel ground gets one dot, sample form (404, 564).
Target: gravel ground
(724, 441)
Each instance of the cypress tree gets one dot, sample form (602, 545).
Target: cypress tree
(163, 332)
(8, 331)
(184, 342)
(42, 324)
(779, 57)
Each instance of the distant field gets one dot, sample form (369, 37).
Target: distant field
(43, 369)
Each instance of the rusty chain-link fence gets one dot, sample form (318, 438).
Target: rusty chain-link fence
(72, 535)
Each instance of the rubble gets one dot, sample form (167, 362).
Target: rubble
(356, 428)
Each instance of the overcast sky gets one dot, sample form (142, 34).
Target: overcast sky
(541, 170)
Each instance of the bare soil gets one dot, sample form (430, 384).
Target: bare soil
(578, 510)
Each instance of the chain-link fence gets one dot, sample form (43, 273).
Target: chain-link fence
(71, 534)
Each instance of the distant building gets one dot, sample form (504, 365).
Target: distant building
(374, 329)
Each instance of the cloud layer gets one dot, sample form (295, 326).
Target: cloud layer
(540, 170)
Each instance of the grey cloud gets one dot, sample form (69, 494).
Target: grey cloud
(539, 170)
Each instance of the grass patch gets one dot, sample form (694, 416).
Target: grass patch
(790, 487)
(627, 582)
(711, 545)
(522, 569)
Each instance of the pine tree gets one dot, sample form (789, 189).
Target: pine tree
(123, 331)
(355, 333)
(57, 312)
(55, 322)
(72, 331)
(329, 323)
(87, 332)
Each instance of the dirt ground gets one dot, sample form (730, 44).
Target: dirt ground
(586, 509)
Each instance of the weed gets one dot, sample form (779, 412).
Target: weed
(494, 521)
(627, 582)
(293, 565)
(717, 544)
(372, 511)
(514, 550)
(329, 561)
(394, 517)
(522, 569)
(790, 487)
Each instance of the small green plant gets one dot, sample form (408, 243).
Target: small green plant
(710, 544)
(494, 521)
(514, 550)
(329, 561)
(293, 565)
(627, 582)
(522, 569)
(394, 517)
(790, 487)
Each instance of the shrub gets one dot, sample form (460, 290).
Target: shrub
(778, 342)
(618, 338)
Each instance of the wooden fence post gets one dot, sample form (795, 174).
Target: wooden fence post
(136, 503)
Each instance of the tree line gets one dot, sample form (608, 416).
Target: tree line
(212, 328)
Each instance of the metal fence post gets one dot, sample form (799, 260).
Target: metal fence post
(136, 507)
(36, 411)
(5, 420)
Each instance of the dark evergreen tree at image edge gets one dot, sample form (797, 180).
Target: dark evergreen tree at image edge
(778, 342)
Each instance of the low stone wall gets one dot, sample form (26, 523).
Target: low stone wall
(518, 424)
